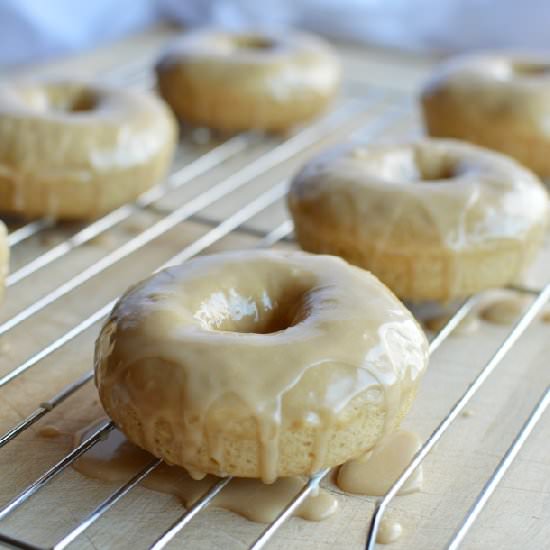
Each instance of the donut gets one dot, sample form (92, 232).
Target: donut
(73, 150)
(258, 363)
(432, 219)
(239, 81)
(497, 101)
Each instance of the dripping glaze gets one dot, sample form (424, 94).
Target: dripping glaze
(115, 459)
(375, 472)
(178, 363)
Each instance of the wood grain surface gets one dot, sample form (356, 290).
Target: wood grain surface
(376, 84)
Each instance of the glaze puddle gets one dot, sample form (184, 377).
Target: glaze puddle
(115, 459)
(374, 472)
(389, 531)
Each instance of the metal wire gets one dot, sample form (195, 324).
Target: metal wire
(453, 323)
(45, 408)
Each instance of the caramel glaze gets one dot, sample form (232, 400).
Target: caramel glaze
(498, 100)
(375, 472)
(237, 81)
(177, 364)
(72, 149)
(389, 531)
(434, 219)
(115, 459)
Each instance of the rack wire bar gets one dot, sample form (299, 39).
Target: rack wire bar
(513, 336)
(278, 234)
(458, 316)
(505, 463)
(55, 470)
(28, 230)
(194, 169)
(189, 514)
(45, 408)
(274, 157)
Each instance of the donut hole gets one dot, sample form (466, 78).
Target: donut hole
(531, 69)
(252, 42)
(437, 171)
(59, 98)
(410, 164)
(263, 314)
(77, 101)
(432, 164)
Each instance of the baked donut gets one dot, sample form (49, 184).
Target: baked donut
(432, 219)
(259, 364)
(76, 150)
(501, 102)
(238, 81)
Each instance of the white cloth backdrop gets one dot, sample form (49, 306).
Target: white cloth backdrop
(35, 29)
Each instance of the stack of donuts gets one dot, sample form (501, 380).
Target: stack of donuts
(265, 363)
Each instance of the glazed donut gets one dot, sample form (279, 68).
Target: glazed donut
(500, 102)
(239, 81)
(76, 150)
(258, 364)
(432, 219)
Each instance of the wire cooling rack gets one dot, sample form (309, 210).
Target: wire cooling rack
(363, 112)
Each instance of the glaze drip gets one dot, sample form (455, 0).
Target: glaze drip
(375, 472)
(116, 460)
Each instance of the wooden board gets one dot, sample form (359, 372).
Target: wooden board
(517, 515)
